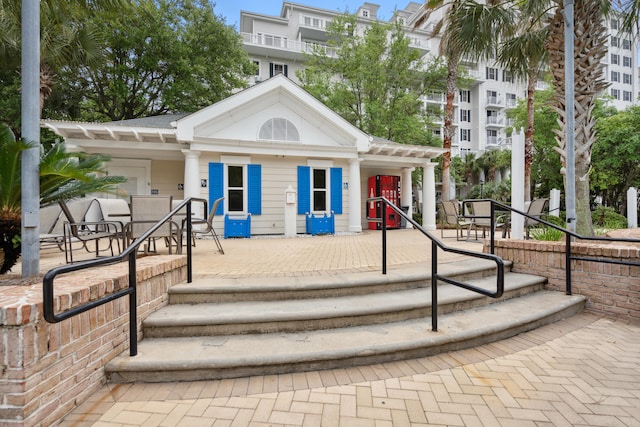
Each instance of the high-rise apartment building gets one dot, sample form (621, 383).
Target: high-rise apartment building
(277, 45)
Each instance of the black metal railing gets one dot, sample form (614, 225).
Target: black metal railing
(129, 254)
(497, 207)
(435, 245)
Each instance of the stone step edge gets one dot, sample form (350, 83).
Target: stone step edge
(447, 295)
(149, 368)
(415, 272)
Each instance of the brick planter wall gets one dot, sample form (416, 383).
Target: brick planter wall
(46, 370)
(612, 290)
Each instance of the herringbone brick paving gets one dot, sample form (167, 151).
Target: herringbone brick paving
(582, 371)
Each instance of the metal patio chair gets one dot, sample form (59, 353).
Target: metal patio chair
(87, 231)
(209, 224)
(147, 210)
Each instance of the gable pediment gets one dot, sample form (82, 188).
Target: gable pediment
(241, 116)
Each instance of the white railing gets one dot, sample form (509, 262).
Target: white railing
(278, 42)
(493, 120)
(494, 100)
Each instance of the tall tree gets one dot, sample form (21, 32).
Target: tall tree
(616, 157)
(545, 168)
(467, 29)
(590, 47)
(162, 56)
(374, 80)
(524, 55)
(67, 38)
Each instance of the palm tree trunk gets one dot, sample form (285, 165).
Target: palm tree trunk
(449, 129)
(590, 48)
(528, 133)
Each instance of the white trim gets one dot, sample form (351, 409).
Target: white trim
(319, 164)
(235, 160)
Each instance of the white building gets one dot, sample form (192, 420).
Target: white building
(277, 43)
(268, 150)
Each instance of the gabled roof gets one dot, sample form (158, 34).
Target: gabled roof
(232, 126)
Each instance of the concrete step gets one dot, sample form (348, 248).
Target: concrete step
(215, 357)
(255, 317)
(215, 290)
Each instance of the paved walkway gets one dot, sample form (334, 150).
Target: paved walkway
(583, 371)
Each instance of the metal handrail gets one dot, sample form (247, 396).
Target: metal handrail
(570, 235)
(435, 245)
(128, 253)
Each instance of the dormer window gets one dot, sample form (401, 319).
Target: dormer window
(365, 13)
(279, 129)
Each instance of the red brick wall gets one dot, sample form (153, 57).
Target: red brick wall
(46, 370)
(612, 290)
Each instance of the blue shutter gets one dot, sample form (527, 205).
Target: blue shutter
(336, 190)
(254, 173)
(304, 189)
(216, 185)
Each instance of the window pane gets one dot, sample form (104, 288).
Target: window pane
(319, 178)
(235, 176)
(320, 200)
(236, 201)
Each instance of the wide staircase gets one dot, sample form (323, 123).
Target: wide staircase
(223, 328)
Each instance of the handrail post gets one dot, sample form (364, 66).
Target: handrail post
(492, 234)
(189, 242)
(568, 265)
(383, 207)
(434, 286)
(133, 306)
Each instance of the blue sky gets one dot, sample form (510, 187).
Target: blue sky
(230, 9)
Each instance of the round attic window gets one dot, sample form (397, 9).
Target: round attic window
(279, 129)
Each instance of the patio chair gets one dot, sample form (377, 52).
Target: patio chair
(146, 211)
(51, 227)
(450, 215)
(87, 231)
(536, 208)
(209, 224)
(479, 212)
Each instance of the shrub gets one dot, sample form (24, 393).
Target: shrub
(606, 217)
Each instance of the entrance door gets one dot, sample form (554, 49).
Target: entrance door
(138, 174)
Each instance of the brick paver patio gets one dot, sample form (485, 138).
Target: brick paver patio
(582, 371)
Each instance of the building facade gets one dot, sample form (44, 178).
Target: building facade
(277, 44)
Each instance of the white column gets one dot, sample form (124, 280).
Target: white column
(554, 202)
(429, 196)
(355, 197)
(290, 212)
(192, 178)
(406, 193)
(517, 185)
(632, 207)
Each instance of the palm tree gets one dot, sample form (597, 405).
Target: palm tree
(63, 176)
(468, 29)
(67, 36)
(590, 48)
(525, 57)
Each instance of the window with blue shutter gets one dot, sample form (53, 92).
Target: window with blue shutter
(304, 190)
(216, 185)
(254, 173)
(336, 190)
(254, 188)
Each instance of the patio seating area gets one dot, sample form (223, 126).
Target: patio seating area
(96, 227)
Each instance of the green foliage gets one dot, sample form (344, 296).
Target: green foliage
(500, 191)
(163, 56)
(63, 176)
(616, 156)
(606, 217)
(546, 233)
(545, 170)
(375, 80)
